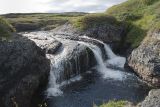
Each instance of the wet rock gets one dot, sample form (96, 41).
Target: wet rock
(23, 69)
(74, 57)
(106, 33)
(20, 27)
(145, 60)
(44, 41)
(152, 100)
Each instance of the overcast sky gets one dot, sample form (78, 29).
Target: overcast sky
(31, 6)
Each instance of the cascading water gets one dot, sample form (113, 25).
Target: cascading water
(113, 59)
(101, 67)
(57, 67)
(68, 63)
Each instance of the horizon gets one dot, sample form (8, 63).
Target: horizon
(55, 6)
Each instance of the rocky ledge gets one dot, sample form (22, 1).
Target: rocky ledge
(109, 34)
(145, 60)
(75, 57)
(23, 69)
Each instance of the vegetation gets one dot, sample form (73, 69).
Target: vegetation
(5, 29)
(114, 104)
(44, 21)
(94, 20)
(139, 17)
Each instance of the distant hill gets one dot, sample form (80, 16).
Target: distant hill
(40, 21)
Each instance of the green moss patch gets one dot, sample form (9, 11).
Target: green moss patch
(114, 104)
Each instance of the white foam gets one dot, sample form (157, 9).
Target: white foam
(101, 67)
(56, 91)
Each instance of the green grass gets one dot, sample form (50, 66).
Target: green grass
(5, 29)
(140, 15)
(113, 104)
(40, 21)
(94, 20)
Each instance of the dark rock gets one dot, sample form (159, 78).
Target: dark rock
(75, 58)
(21, 27)
(23, 68)
(44, 41)
(145, 60)
(152, 100)
(106, 33)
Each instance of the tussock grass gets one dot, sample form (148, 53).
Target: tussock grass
(6, 29)
(140, 15)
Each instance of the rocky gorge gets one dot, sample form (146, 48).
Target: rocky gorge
(76, 67)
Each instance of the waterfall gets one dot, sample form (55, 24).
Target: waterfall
(59, 62)
(101, 67)
(113, 59)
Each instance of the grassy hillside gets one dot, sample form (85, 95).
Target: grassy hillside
(139, 16)
(5, 29)
(40, 21)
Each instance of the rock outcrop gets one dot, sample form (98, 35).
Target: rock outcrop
(152, 100)
(23, 69)
(74, 58)
(145, 60)
(107, 33)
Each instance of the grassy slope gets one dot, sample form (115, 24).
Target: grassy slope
(5, 29)
(45, 21)
(140, 16)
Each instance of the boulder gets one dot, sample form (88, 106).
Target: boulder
(106, 33)
(145, 60)
(23, 70)
(44, 40)
(152, 100)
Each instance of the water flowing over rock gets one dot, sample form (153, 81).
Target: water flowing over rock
(68, 61)
(145, 60)
(23, 69)
(108, 34)
(75, 56)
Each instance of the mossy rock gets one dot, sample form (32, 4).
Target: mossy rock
(6, 29)
(93, 21)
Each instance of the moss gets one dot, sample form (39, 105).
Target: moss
(114, 104)
(5, 29)
(93, 20)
